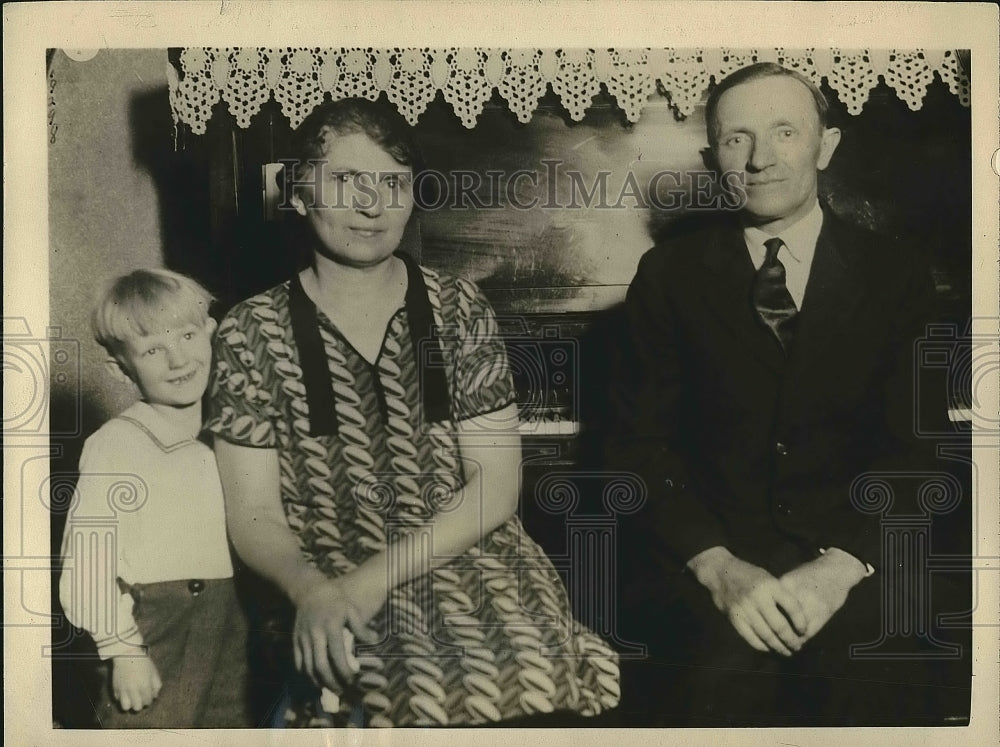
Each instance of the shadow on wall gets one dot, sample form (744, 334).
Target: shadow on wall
(183, 183)
(212, 220)
(74, 687)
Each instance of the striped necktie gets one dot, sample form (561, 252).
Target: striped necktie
(771, 299)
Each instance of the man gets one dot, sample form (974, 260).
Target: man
(770, 365)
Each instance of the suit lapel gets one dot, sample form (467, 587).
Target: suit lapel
(832, 295)
(727, 295)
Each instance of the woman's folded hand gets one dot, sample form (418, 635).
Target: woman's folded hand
(323, 615)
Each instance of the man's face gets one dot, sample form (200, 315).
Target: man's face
(769, 129)
(365, 201)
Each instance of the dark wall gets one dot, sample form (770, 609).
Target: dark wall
(899, 172)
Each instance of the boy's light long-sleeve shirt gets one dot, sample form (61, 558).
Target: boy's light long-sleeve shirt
(148, 508)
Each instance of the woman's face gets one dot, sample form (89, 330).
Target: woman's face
(357, 201)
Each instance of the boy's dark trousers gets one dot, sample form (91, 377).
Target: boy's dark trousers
(196, 635)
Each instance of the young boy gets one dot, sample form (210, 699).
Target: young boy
(147, 569)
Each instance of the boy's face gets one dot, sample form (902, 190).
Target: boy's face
(171, 367)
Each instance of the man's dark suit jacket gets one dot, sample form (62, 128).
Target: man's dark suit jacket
(742, 446)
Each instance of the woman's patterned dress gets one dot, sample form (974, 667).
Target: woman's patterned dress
(366, 450)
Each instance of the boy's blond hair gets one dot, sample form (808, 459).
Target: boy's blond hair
(143, 302)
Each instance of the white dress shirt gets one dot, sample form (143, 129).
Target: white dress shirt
(148, 508)
(796, 255)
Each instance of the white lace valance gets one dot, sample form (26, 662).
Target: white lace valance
(299, 77)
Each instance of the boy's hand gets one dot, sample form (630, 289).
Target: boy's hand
(135, 682)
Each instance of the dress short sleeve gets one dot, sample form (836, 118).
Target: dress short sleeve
(239, 408)
(482, 381)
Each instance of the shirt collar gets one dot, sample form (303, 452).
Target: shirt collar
(164, 434)
(800, 238)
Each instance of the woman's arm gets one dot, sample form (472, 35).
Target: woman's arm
(491, 454)
(256, 519)
(490, 450)
(265, 542)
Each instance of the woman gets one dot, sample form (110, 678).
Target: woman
(367, 444)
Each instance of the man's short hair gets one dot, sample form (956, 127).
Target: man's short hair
(382, 123)
(756, 72)
(144, 302)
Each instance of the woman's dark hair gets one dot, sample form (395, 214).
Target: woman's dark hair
(756, 72)
(379, 121)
